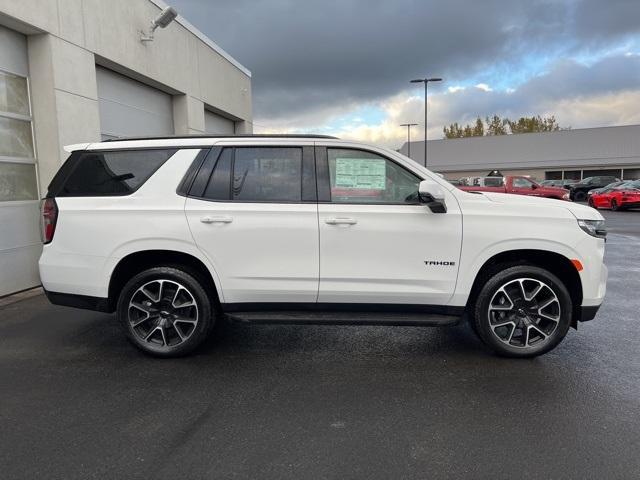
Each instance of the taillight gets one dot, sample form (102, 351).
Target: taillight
(49, 211)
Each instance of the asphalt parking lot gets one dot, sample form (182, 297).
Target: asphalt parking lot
(77, 401)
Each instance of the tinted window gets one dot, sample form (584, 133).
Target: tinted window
(267, 174)
(357, 176)
(219, 184)
(111, 173)
(494, 182)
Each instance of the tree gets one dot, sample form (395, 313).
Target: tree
(456, 131)
(503, 126)
(496, 126)
(534, 124)
(478, 130)
(453, 131)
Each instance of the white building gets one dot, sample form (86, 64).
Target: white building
(570, 154)
(75, 71)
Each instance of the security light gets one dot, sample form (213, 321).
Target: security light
(167, 16)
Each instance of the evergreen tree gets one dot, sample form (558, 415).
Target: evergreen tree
(496, 126)
(503, 126)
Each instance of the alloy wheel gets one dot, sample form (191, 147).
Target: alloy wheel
(163, 313)
(524, 312)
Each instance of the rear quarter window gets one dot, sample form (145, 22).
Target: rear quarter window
(494, 182)
(107, 173)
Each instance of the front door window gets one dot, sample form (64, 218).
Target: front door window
(357, 176)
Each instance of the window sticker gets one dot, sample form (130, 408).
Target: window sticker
(361, 173)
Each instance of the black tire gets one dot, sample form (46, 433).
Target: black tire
(591, 204)
(487, 323)
(579, 196)
(614, 205)
(175, 297)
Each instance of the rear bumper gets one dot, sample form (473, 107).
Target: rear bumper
(98, 304)
(70, 273)
(588, 313)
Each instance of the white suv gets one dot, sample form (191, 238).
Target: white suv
(172, 233)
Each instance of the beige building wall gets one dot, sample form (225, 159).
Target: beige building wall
(68, 38)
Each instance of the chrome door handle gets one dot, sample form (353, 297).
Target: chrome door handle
(341, 221)
(221, 219)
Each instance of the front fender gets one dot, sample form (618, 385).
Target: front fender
(472, 262)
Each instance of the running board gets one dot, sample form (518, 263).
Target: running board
(346, 318)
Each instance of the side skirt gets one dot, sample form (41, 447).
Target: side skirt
(344, 314)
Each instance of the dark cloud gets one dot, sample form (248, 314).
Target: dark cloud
(597, 20)
(308, 55)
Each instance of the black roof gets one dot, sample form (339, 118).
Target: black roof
(204, 135)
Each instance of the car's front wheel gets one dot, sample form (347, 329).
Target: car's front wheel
(165, 311)
(579, 196)
(522, 311)
(614, 205)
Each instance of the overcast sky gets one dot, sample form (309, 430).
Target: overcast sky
(343, 66)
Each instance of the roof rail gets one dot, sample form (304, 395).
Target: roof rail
(204, 135)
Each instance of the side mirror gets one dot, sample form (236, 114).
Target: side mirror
(533, 186)
(432, 195)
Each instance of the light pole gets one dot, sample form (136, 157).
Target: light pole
(408, 125)
(426, 82)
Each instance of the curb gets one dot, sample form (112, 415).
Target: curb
(23, 295)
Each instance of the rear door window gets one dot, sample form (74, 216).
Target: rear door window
(107, 173)
(258, 174)
(267, 174)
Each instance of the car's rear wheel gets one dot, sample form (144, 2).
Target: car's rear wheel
(579, 196)
(165, 311)
(523, 311)
(614, 205)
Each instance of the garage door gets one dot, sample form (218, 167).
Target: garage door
(20, 244)
(130, 108)
(214, 123)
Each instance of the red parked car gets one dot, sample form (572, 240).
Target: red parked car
(513, 184)
(618, 198)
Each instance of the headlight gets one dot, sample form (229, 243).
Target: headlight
(565, 196)
(595, 228)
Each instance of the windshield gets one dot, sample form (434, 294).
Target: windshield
(521, 182)
(633, 185)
